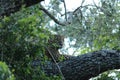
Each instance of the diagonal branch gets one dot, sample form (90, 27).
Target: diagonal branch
(51, 16)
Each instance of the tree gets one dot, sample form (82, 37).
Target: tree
(9, 6)
(81, 67)
(5, 72)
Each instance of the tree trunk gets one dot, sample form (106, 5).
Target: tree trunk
(86, 66)
(10, 6)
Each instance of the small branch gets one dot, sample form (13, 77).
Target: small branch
(51, 16)
(63, 78)
(65, 10)
(98, 7)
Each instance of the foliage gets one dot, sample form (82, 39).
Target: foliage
(97, 27)
(23, 36)
(23, 40)
(94, 27)
(109, 75)
(5, 73)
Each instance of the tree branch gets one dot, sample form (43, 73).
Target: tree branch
(11, 6)
(51, 16)
(65, 10)
(81, 67)
(86, 66)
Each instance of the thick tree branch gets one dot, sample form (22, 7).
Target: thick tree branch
(77, 68)
(86, 66)
(11, 6)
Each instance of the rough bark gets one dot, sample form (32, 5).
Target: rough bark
(81, 67)
(86, 66)
(10, 6)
